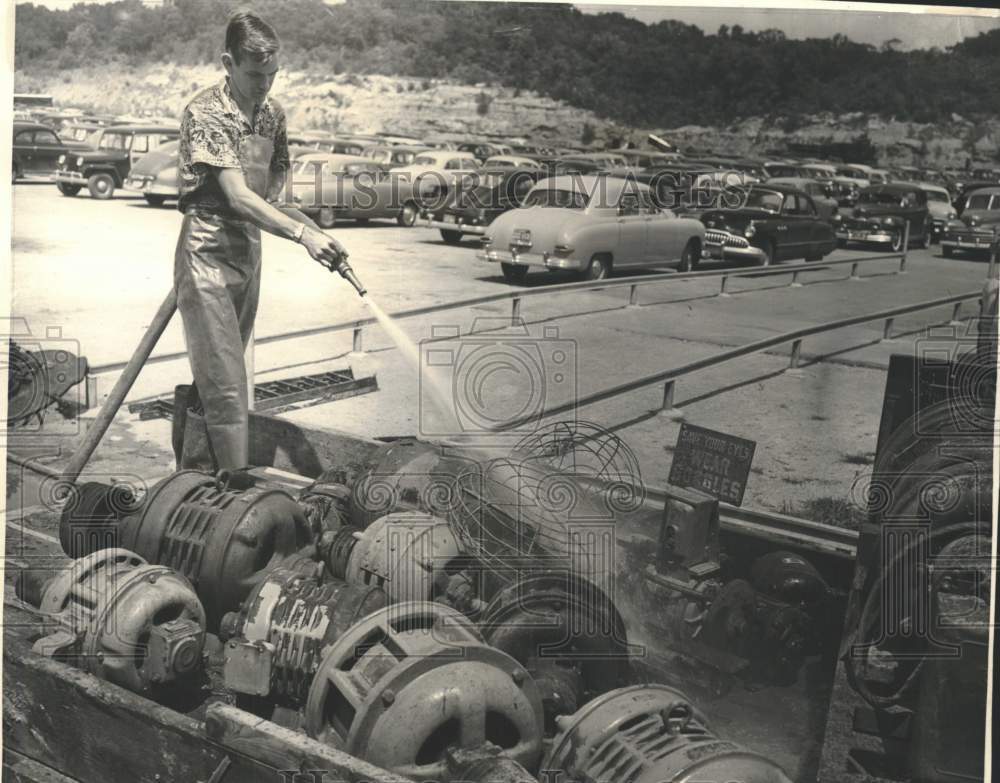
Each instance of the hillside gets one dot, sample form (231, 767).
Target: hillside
(354, 103)
(668, 74)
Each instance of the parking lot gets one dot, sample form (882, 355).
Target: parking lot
(99, 269)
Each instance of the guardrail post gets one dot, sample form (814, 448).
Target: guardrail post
(515, 310)
(793, 363)
(887, 329)
(633, 296)
(795, 281)
(991, 271)
(91, 392)
(668, 409)
(955, 313)
(725, 285)
(906, 247)
(357, 346)
(854, 272)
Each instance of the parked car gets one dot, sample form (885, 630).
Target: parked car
(155, 177)
(510, 161)
(436, 172)
(393, 155)
(776, 223)
(643, 159)
(88, 133)
(821, 193)
(37, 149)
(979, 226)
(604, 160)
(107, 167)
(481, 150)
(590, 225)
(472, 209)
(882, 214)
(939, 206)
(825, 171)
(782, 170)
(352, 187)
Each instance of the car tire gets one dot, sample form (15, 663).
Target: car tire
(68, 190)
(947, 252)
(326, 217)
(155, 201)
(101, 185)
(896, 244)
(691, 256)
(407, 216)
(514, 273)
(925, 240)
(451, 237)
(598, 269)
(769, 252)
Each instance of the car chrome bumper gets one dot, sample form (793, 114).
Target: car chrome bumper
(721, 251)
(71, 177)
(150, 188)
(865, 235)
(961, 243)
(464, 228)
(530, 259)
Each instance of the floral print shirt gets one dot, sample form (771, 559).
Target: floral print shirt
(216, 134)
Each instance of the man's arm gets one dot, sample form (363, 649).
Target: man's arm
(251, 207)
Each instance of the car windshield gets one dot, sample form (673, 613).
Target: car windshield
(403, 157)
(565, 199)
(935, 195)
(425, 160)
(880, 197)
(116, 141)
(764, 199)
(353, 169)
(979, 201)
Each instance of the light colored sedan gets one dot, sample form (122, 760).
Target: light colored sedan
(592, 225)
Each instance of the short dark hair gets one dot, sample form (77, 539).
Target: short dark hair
(248, 33)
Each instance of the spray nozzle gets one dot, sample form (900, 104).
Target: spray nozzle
(348, 274)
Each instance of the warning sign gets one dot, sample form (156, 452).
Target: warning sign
(712, 462)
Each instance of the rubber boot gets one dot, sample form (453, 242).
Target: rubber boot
(197, 452)
(181, 394)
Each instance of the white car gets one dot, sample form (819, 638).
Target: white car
(590, 224)
(436, 172)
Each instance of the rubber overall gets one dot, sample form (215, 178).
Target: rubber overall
(217, 267)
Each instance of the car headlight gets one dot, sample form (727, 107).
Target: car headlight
(62, 159)
(888, 220)
(749, 231)
(952, 215)
(79, 161)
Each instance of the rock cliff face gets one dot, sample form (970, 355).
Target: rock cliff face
(352, 103)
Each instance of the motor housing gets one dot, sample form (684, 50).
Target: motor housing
(137, 625)
(649, 734)
(413, 682)
(223, 537)
(277, 640)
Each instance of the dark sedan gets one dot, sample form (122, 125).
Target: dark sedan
(882, 214)
(472, 209)
(774, 223)
(37, 149)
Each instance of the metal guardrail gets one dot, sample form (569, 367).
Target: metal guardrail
(795, 337)
(517, 296)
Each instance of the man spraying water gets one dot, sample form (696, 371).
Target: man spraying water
(233, 160)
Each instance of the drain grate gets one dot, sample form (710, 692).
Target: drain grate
(276, 396)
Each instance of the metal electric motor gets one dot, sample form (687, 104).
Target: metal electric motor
(649, 734)
(222, 535)
(277, 640)
(137, 625)
(414, 684)
(411, 555)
